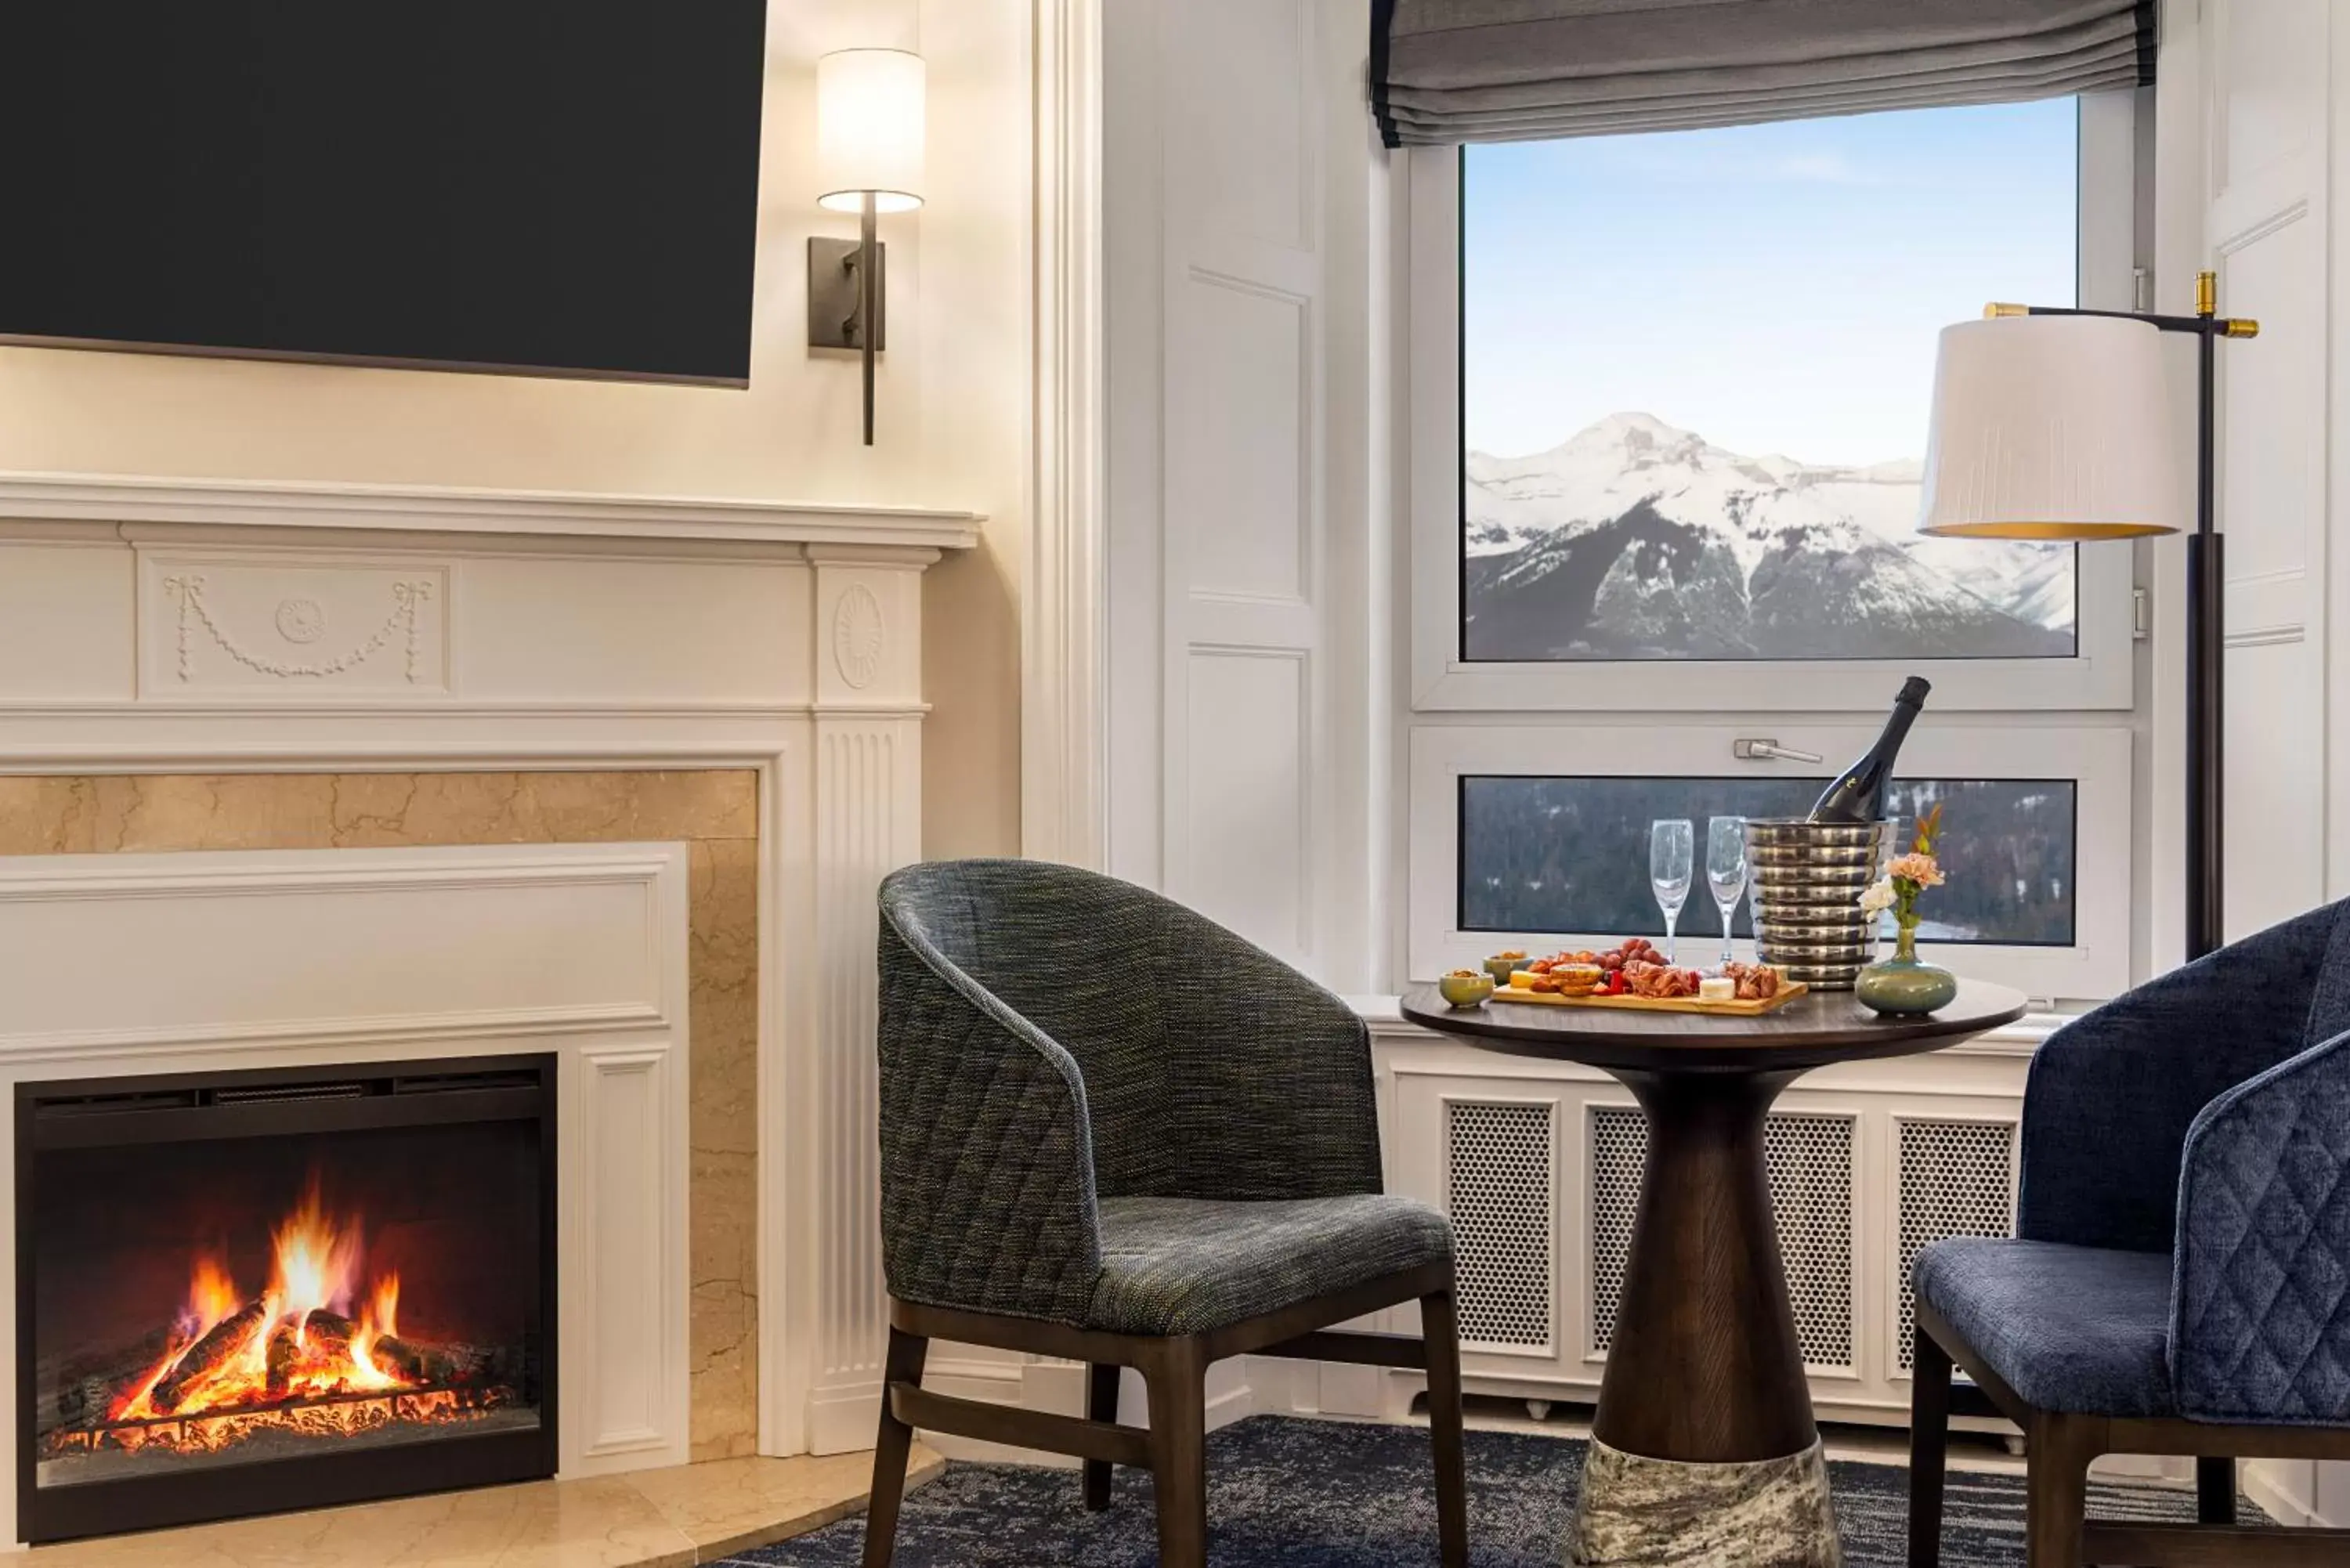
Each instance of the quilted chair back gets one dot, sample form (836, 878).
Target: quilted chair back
(2260, 1315)
(1074, 955)
(2113, 1094)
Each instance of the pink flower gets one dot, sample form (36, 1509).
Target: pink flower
(1922, 869)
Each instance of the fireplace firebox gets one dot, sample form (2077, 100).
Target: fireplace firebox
(244, 1293)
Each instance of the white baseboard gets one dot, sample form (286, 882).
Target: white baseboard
(843, 1420)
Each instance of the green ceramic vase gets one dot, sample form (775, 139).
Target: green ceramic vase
(1904, 983)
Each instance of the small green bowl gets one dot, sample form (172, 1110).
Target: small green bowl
(1465, 990)
(1501, 968)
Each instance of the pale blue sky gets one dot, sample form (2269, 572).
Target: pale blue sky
(1773, 287)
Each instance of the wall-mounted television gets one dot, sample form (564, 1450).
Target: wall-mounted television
(549, 187)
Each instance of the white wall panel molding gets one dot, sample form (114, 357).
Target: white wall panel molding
(1063, 726)
(2267, 88)
(626, 1241)
(326, 930)
(2251, 143)
(1220, 710)
(574, 514)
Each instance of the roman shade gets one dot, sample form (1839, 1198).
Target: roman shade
(1450, 71)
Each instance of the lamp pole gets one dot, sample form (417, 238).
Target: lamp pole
(2205, 606)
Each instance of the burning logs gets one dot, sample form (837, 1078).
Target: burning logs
(412, 1362)
(210, 1353)
(322, 1336)
(87, 1387)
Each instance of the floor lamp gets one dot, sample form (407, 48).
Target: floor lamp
(2053, 424)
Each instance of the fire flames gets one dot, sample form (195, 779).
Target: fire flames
(295, 1357)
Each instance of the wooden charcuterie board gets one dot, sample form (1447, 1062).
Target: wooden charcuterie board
(1751, 1008)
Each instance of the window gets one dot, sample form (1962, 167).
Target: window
(1524, 834)
(1667, 410)
(1550, 854)
(1694, 387)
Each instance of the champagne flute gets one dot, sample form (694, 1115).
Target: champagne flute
(1673, 852)
(1725, 872)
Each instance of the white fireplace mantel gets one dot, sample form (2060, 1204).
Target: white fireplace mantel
(203, 626)
(544, 513)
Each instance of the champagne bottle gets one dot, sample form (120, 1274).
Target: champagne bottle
(1858, 794)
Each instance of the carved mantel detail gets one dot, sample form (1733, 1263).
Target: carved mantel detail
(300, 621)
(859, 632)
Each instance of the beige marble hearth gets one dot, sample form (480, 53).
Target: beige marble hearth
(715, 812)
(654, 1519)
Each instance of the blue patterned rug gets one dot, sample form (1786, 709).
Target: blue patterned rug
(1290, 1493)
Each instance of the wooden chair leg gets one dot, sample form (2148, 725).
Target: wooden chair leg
(890, 1450)
(1930, 1438)
(1441, 1334)
(1177, 1376)
(2056, 1491)
(1101, 1405)
(2215, 1491)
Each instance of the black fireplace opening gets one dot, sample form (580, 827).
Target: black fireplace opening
(252, 1291)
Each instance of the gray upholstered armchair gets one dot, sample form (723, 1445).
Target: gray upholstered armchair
(1113, 1131)
(2180, 1282)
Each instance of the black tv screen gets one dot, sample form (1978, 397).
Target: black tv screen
(562, 187)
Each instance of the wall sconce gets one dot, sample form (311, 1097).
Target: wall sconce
(868, 142)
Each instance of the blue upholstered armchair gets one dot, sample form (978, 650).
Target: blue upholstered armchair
(1114, 1131)
(2179, 1281)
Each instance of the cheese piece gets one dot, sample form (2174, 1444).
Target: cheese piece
(1717, 988)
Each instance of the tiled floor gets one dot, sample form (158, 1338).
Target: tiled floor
(654, 1519)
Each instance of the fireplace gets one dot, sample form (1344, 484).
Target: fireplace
(242, 1293)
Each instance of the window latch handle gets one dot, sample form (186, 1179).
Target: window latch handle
(1771, 751)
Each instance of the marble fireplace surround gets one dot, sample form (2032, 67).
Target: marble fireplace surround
(380, 666)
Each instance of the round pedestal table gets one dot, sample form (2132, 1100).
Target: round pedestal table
(1703, 1453)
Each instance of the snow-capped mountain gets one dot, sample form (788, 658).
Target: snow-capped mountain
(1635, 539)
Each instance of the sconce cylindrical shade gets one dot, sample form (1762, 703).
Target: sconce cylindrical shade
(2050, 427)
(870, 129)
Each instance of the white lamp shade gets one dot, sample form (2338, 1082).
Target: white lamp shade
(870, 129)
(2050, 427)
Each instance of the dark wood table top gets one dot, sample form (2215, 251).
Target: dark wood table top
(1814, 1030)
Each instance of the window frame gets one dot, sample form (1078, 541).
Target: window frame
(2097, 758)
(2098, 677)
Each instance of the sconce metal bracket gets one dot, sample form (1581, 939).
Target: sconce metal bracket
(833, 310)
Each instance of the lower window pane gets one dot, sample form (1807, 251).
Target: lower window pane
(1552, 854)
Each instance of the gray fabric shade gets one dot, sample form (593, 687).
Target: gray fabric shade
(1450, 71)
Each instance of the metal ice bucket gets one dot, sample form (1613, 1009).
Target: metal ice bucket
(1808, 878)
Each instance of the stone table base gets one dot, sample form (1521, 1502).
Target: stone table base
(1773, 1514)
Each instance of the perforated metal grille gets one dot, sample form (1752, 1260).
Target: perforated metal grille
(1809, 1159)
(1619, 1147)
(1957, 1178)
(1498, 1166)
